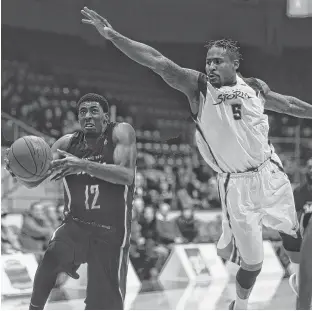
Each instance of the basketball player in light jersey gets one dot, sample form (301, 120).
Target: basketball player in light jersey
(232, 136)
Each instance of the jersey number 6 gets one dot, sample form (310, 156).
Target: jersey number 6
(237, 111)
(93, 190)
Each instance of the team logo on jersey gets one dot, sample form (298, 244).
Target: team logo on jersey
(234, 94)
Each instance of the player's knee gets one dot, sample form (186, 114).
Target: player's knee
(290, 243)
(246, 279)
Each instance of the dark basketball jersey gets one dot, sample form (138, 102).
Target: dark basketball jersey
(92, 199)
(303, 201)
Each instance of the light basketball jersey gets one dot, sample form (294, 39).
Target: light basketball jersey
(231, 129)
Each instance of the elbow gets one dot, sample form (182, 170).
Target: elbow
(159, 63)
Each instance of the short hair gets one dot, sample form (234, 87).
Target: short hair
(229, 45)
(92, 97)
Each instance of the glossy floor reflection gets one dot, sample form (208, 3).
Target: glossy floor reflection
(176, 296)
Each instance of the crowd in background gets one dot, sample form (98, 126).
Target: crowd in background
(171, 177)
(39, 222)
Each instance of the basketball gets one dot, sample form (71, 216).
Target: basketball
(30, 158)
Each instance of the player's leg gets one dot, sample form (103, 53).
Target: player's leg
(62, 255)
(305, 271)
(242, 234)
(58, 254)
(107, 269)
(280, 214)
(292, 246)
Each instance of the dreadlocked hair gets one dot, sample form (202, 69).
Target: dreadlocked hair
(229, 45)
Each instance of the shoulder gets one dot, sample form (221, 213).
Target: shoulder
(62, 143)
(124, 133)
(202, 81)
(264, 86)
(256, 84)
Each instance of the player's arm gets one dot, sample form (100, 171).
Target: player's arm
(61, 144)
(125, 155)
(305, 278)
(182, 79)
(285, 104)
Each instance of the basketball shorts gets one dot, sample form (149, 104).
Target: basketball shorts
(250, 200)
(107, 263)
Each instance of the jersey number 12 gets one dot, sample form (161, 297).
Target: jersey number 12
(94, 192)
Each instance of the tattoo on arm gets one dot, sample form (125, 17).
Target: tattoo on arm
(285, 104)
(180, 78)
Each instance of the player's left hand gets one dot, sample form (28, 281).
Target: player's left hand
(68, 166)
(7, 163)
(98, 21)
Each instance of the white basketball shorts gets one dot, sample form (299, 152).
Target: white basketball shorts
(250, 200)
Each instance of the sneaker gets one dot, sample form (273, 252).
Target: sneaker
(231, 306)
(293, 283)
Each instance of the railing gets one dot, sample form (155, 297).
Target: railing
(20, 129)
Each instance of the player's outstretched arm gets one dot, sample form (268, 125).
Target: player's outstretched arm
(182, 79)
(61, 144)
(285, 104)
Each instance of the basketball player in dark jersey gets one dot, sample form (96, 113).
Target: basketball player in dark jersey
(303, 201)
(222, 64)
(98, 169)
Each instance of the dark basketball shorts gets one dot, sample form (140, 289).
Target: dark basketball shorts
(73, 244)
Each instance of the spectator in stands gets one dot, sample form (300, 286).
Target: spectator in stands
(184, 199)
(166, 194)
(51, 214)
(138, 206)
(213, 194)
(36, 229)
(167, 230)
(155, 253)
(137, 243)
(153, 198)
(188, 225)
(70, 123)
(9, 238)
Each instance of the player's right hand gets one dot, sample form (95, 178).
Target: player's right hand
(7, 163)
(98, 21)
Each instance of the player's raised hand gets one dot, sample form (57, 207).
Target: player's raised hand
(7, 163)
(67, 166)
(98, 21)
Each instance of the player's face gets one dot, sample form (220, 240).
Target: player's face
(220, 68)
(92, 118)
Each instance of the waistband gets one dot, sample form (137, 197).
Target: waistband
(251, 171)
(89, 223)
